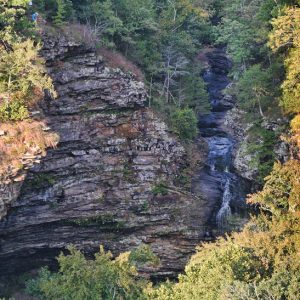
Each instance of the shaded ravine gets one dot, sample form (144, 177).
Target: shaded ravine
(217, 180)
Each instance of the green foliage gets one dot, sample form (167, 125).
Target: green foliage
(41, 181)
(22, 80)
(184, 123)
(13, 20)
(184, 178)
(102, 17)
(142, 256)
(239, 30)
(79, 278)
(128, 173)
(160, 189)
(256, 91)
(64, 12)
(194, 92)
(101, 221)
(210, 272)
(22, 72)
(285, 35)
(281, 193)
(261, 144)
(13, 111)
(282, 285)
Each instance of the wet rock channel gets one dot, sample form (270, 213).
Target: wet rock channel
(218, 180)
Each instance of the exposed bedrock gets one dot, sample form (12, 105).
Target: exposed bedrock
(97, 187)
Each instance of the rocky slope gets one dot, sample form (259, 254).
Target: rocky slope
(246, 162)
(110, 179)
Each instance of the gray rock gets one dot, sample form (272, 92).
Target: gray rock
(96, 186)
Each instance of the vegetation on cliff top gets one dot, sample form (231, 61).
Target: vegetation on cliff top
(23, 82)
(162, 38)
(23, 77)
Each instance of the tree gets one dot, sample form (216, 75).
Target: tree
(102, 278)
(13, 21)
(239, 31)
(194, 91)
(210, 272)
(286, 35)
(255, 89)
(64, 12)
(22, 80)
(138, 17)
(101, 18)
(174, 66)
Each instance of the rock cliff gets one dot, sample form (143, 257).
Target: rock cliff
(246, 162)
(111, 178)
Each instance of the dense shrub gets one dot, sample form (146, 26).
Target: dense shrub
(102, 278)
(13, 111)
(184, 123)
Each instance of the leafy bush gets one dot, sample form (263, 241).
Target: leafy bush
(13, 111)
(210, 271)
(102, 278)
(184, 123)
(143, 255)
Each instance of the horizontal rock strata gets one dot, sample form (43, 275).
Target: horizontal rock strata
(110, 179)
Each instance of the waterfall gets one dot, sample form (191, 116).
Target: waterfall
(217, 181)
(225, 210)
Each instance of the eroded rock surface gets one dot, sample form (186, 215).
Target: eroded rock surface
(97, 187)
(245, 161)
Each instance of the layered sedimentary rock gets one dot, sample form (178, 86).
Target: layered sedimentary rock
(111, 178)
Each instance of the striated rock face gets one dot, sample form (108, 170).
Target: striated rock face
(9, 193)
(111, 179)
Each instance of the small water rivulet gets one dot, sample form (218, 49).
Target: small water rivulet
(217, 181)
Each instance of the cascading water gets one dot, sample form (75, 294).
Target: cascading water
(225, 211)
(217, 180)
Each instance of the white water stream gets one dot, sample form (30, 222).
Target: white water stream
(225, 211)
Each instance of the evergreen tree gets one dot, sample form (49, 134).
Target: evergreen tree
(64, 12)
